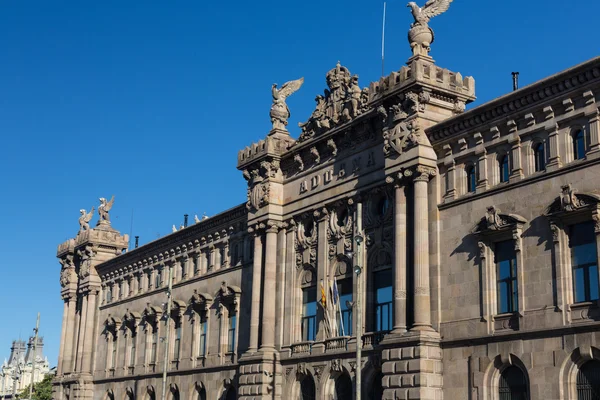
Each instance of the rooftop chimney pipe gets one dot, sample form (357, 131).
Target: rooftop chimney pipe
(137, 241)
(515, 76)
(185, 220)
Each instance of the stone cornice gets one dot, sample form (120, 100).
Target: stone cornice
(218, 222)
(507, 106)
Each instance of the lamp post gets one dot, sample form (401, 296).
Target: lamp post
(359, 239)
(167, 334)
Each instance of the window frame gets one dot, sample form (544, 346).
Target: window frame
(468, 168)
(574, 144)
(537, 166)
(569, 209)
(492, 229)
(504, 169)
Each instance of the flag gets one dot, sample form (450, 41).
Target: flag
(323, 296)
(336, 294)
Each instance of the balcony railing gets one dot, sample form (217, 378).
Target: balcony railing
(372, 339)
(302, 348)
(338, 343)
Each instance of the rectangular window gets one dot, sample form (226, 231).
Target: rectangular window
(154, 345)
(506, 277)
(195, 265)
(177, 342)
(231, 334)
(345, 293)
(202, 341)
(584, 260)
(132, 352)
(309, 313)
(182, 269)
(383, 301)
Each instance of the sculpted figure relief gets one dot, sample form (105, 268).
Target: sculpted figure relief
(103, 210)
(85, 218)
(420, 35)
(279, 110)
(343, 101)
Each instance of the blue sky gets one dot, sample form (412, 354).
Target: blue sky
(151, 100)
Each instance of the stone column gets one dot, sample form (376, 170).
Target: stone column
(269, 287)
(61, 355)
(422, 305)
(399, 259)
(89, 336)
(256, 280)
(81, 334)
(289, 315)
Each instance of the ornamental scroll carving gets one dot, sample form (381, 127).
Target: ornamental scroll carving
(495, 221)
(570, 201)
(343, 101)
(85, 261)
(67, 273)
(258, 178)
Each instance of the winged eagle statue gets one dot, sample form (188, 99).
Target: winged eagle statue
(279, 110)
(420, 34)
(84, 219)
(103, 210)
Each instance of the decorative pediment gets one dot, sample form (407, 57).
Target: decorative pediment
(569, 201)
(178, 307)
(343, 101)
(228, 296)
(131, 319)
(112, 324)
(495, 221)
(200, 302)
(151, 313)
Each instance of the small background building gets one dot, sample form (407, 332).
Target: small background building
(20, 368)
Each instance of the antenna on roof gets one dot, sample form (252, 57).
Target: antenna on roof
(515, 76)
(131, 226)
(383, 42)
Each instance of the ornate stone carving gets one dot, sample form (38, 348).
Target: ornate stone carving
(554, 229)
(85, 257)
(67, 273)
(299, 162)
(85, 218)
(482, 248)
(336, 365)
(343, 101)
(332, 147)
(492, 218)
(103, 209)
(420, 35)
(315, 154)
(279, 110)
(568, 201)
(259, 187)
(403, 134)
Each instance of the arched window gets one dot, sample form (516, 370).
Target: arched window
(504, 168)
(539, 156)
(201, 394)
(343, 387)
(588, 381)
(578, 145)
(471, 179)
(307, 389)
(513, 385)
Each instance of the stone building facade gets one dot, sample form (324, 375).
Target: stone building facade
(479, 255)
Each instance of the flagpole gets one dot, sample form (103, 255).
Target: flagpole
(383, 42)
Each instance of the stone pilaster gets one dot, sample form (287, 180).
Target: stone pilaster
(554, 161)
(400, 258)
(594, 150)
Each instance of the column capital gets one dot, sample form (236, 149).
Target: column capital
(421, 173)
(322, 214)
(272, 226)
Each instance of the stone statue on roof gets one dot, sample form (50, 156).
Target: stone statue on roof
(279, 110)
(85, 218)
(420, 35)
(103, 210)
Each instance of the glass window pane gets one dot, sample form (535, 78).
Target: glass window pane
(503, 306)
(593, 272)
(309, 313)
(579, 281)
(345, 291)
(504, 169)
(578, 145)
(383, 300)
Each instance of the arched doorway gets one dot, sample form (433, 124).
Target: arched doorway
(513, 385)
(375, 391)
(307, 389)
(343, 387)
(231, 394)
(588, 381)
(200, 393)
